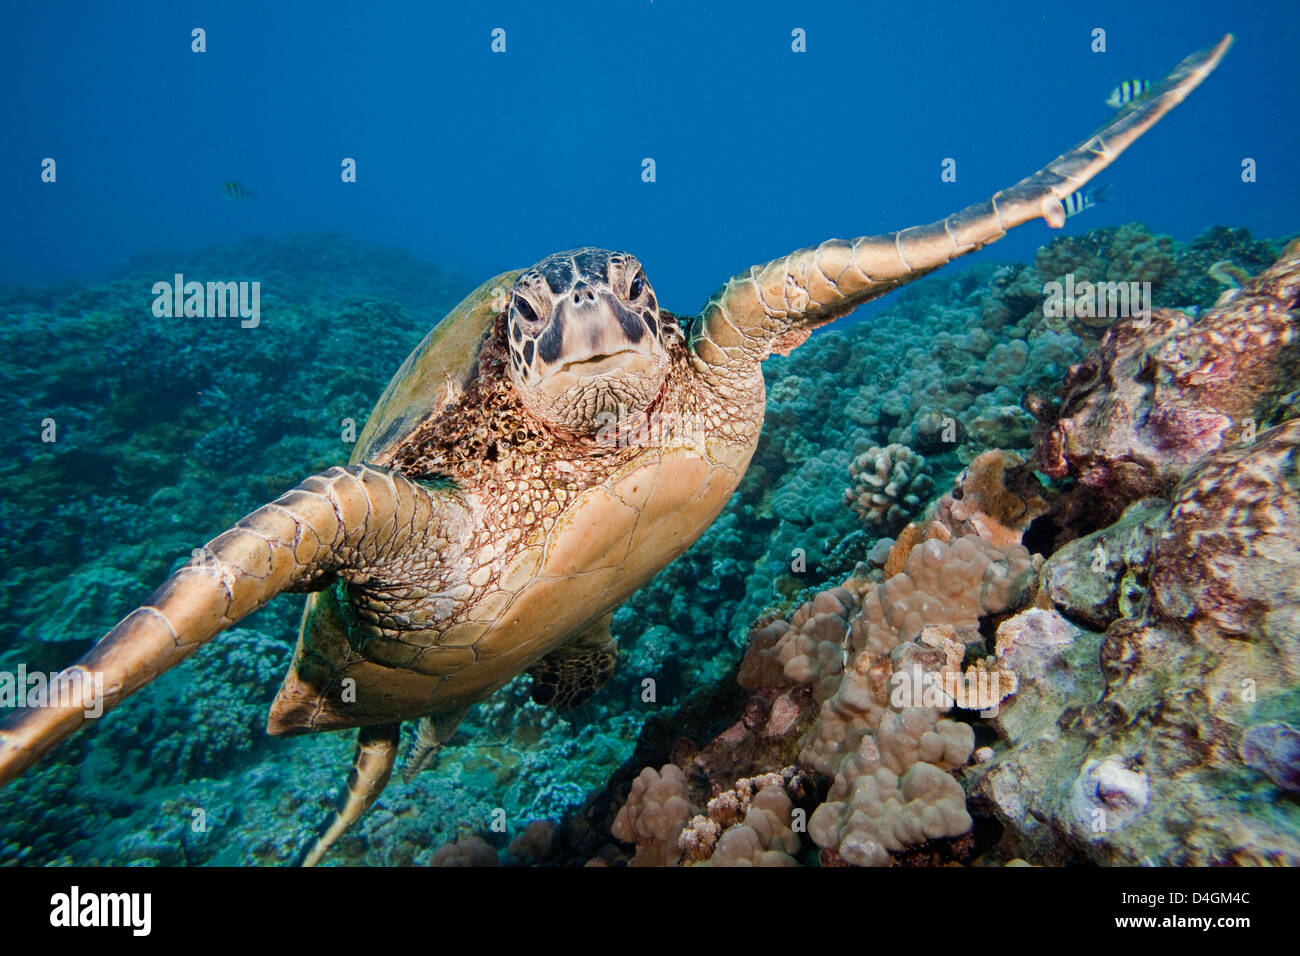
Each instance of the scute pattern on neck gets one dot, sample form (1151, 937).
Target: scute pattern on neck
(487, 437)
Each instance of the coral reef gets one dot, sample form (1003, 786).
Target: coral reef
(1127, 746)
(656, 811)
(1126, 625)
(996, 497)
(1159, 395)
(1152, 732)
(1198, 283)
(889, 485)
(748, 825)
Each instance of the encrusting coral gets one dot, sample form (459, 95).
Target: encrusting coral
(996, 497)
(1146, 743)
(1160, 393)
(863, 689)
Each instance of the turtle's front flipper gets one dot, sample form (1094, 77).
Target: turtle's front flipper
(355, 523)
(774, 307)
(371, 768)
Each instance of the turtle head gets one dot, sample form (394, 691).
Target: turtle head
(586, 339)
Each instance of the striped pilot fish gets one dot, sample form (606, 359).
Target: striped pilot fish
(1082, 199)
(1127, 92)
(235, 192)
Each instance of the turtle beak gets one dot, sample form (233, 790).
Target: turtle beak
(607, 359)
(598, 326)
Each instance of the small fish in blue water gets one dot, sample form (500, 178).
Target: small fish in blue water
(1127, 92)
(1082, 199)
(235, 192)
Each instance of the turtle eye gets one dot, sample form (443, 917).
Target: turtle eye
(525, 311)
(638, 286)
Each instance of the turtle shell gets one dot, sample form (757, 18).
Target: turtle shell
(439, 369)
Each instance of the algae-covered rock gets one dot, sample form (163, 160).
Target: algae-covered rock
(1103, 576)
(1162, 392)
(1142, 757)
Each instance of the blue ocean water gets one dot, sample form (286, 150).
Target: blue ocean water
(487, 161)
(470, 161)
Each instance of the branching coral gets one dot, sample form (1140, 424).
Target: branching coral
(749, 825)
(889, 485)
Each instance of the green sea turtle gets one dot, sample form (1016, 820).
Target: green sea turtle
(551, 444)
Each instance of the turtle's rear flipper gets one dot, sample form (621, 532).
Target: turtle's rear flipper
(569, 676)
(430, 735)
(372, 766)
(353, 523)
